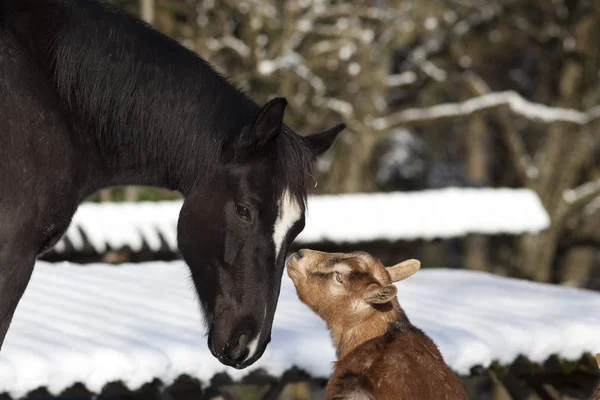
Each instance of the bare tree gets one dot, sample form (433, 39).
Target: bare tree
(147, 10)
(524, 72)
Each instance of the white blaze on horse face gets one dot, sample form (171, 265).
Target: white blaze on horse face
(253, 345)
(289, 212)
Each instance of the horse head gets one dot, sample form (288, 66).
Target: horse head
(235, 232)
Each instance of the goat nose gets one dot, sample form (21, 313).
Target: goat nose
(235, 351)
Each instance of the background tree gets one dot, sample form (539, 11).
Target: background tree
(482, 93)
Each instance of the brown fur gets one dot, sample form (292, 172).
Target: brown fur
(596, 395)
(381, 355)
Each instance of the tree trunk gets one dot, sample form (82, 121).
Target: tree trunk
(556, 173)
(576, 267)
(476, 251)
(147, 10)
(105, 195)
(538, 254)
(477, 151)
(351, 172)
(131, 193)
(359, 177)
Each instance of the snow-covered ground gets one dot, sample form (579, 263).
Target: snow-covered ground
(348, 218)
(97, 323)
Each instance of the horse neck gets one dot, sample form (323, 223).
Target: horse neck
(155, 115)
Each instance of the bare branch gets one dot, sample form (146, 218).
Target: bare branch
(307, 23)
(348, 9)
(516, 103)
(295, 63)
(334, 31)
(405, 78)
(344, 108)
(521, 159)
(229, 42)
(433, 71)
(577, 158)
(439, 40)
(574, 200)
(581, 195)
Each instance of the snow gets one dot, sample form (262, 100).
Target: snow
(267, 67)
(97, 323)
(349, 218)
(517, 104)
(405, 78)
(431, 23)
(402, 160)
(347, 51)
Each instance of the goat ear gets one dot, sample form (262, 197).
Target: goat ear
(381, 294)
(267, 124)
(404, 269)
(320, 142)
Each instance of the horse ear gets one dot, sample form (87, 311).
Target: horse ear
(320, 142)
(267, 124)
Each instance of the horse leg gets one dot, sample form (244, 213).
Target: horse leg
(40, 170)
(15, 272)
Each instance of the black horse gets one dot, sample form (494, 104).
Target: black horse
(91, 97)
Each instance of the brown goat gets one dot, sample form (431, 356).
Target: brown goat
(381, 355)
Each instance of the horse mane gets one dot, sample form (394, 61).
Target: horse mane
(135, 88)
(293, 166)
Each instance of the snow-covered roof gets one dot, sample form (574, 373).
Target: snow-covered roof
(348, 218)
(95, 324)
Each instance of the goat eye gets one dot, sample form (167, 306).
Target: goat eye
(338, 277)
(243, 212)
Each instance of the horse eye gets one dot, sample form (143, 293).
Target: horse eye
(243, 212)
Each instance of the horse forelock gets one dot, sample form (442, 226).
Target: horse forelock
(293, 167)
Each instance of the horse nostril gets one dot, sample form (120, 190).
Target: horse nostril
(236, 351)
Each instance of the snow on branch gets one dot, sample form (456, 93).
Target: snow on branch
(516, 103)
(340, 106)
(348, 9)
(433, 71)
(403, 79)
(295, 63)
(438, 40)
(582, 195)
(524, 165)
(229, 42)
